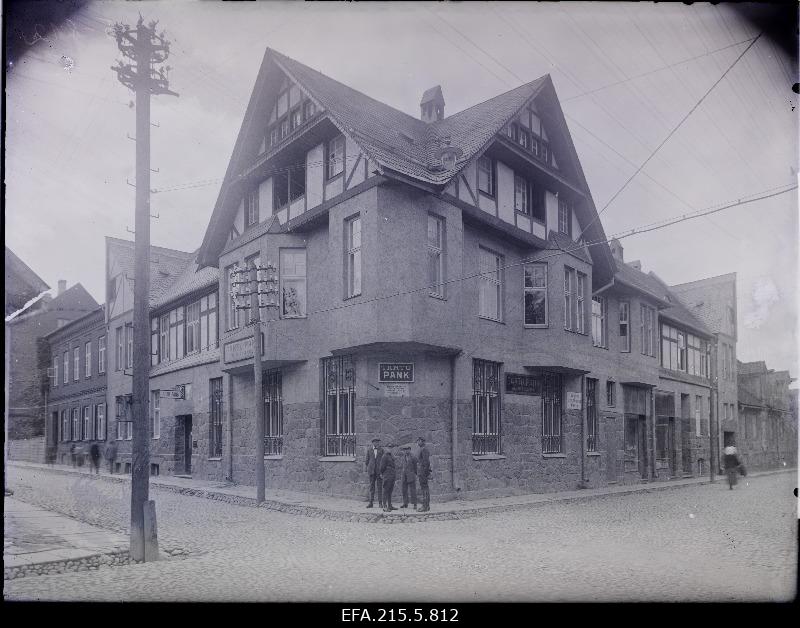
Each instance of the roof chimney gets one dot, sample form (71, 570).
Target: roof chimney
(637, 264)
(432, 105)
(62, 286)
(617, 250)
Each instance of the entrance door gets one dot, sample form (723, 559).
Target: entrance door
(729, 439)
(187, 444)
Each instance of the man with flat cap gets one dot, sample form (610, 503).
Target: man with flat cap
(408, 477)
(387, 469)
(372, 465)
(424, 473)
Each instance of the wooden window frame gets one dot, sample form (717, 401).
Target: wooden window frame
(601, 320)
(101, 354)
(494, 277)
(283, 276)
(87, 359)
(626, 344)
(330, 144)
(251, 208)
(491, 171)
(351, 252)
(437, 252)
(532, 289)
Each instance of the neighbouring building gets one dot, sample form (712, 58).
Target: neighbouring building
(767, 435)
(77, 409)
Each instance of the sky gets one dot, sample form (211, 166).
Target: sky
(626, 74)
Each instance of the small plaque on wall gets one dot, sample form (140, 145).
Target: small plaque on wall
(395, 390)
(573, 401)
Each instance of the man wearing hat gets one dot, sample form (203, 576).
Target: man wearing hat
(372, 465)
(424, 472)
(409, 477)
(387, 469)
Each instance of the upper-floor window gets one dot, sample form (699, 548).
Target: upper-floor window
(673, 348)
(569, 289)
(535, 287)
(599, 322)
(611, 393)
(353, 255)
(491, 285)
(486, 175)
(625, 325)
(120, 357)
(101, 354)
(529, 198)
(296, 118)
(335, 157)
(309, 109)
(129, 345)
(580, 313)
(293, 282)
(513, 131)
(564, 216)
(76, 363)
(574, 296)
(87, 358)
(647, 329)
(55, 372)
(192, 328)
(251, 207)
(696, 363)
(66, 367)
(155, 413)
(435, 256)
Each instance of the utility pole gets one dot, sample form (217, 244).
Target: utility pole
(145, 48)
(262, 283)
(713, 402)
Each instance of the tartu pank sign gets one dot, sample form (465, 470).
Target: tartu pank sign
(390, 372)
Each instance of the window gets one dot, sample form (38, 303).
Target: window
(335, 159)
(673, 348)
(155, 414)
(647, 329)
(522, 196)
(491, 285)
(76, 363)
(513, 131)
(599, 321)
(284, 127)
(100, 421)
(192, 327)
(696, 363)
(66, 367)
(87, 359)
(611, 394)
(251, 208)
(353, 239)
(552, 442)
(209, 335)
(308, 109)
(592, 424)
(76, 424)
(698, 413)
(274, 136)
(564, 217)
(86, 434)
(435, 256)
(129, 345)
(65, 432)
(273, 413)
(485, 407)
(55, 372)
(625, 325)
(101, 354)
(293, 282)
(580, 315)
(535, 287)
(296, 118)
(233, 313)
(524, 139)
(486, 176)
(340, 398)
(569, 280)
(120, 363)
(215, 418)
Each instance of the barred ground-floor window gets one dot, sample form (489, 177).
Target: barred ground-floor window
(339, 382)
(486, 409)
(552, 434)
(592, 423)
(215, 418)
(273, 413)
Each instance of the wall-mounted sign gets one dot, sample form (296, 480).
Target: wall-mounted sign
(521, 384)
(179, 392)
(573, 401)
(395, 390)
(395, 372)
(240, 349)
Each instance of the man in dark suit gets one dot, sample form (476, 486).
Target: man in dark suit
(424, 473)
(387, 469)
(372, 465)
(408, 477)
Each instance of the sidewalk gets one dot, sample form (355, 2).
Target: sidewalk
(40, 541)
(336, 508)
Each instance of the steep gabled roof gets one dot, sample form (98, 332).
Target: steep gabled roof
(22, 284)
(642, 282)
(189, 280)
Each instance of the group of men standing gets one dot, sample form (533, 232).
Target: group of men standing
(381, 467)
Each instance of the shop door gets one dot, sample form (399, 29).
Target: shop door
(187, 444)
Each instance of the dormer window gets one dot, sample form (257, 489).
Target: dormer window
(449, 160)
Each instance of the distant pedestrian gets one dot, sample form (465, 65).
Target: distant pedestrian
(731, 462)
(424, 473)
(94, 454)
(408, 477)
(387, 469)
(372, 465)
(73, 455)
(111, 455)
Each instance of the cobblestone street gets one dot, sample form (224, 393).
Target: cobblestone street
(697, 543)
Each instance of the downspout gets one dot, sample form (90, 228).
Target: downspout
(453, 425)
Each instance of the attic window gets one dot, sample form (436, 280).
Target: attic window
(449, 160)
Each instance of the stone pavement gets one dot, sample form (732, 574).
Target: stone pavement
(341, 509)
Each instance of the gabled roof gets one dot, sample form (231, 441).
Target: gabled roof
(678, 312)
(22, 284)
(642, 282)
(397, 142)
(189, 280)
(165, 264)
(750, 368)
